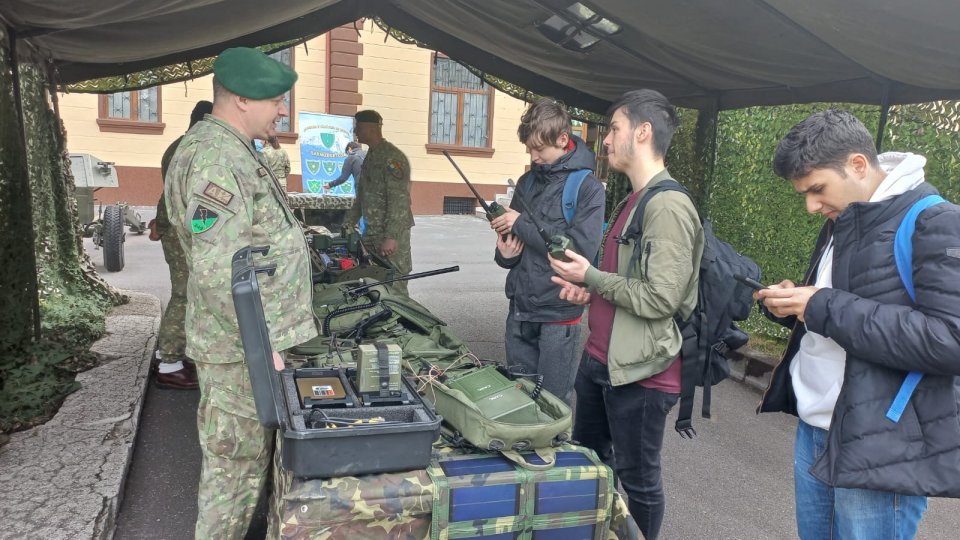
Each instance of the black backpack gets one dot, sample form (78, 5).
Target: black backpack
(710, 330)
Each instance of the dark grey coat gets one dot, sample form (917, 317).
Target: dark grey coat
(870, 315)
(533, 297)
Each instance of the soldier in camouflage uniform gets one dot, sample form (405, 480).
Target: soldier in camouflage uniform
(277, 159)
(222, 197)
(383, 196)
(174, 371)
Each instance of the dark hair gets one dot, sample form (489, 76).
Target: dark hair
(824, 140)
(273, 141)
(544, 121)
(201, 108)
(353, 145)
(647, 105)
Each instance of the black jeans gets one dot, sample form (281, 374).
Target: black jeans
(624, 425)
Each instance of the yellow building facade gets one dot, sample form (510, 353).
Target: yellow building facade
(428, 104)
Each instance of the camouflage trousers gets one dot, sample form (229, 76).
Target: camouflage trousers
(236, 451)
(401, 259)
(172, 340)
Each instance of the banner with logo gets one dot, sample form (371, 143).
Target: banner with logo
(323, 144)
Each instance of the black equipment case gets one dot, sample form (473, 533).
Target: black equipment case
(325, 438)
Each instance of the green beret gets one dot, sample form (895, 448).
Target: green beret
(251, 74)
(370, 116)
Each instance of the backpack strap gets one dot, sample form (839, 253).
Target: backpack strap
(571, 191)
(903, 255)
(635, 229)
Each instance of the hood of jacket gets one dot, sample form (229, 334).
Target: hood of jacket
(904, 172)
(581, 157)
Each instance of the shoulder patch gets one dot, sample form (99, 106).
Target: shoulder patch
(203, 219)
(262, 171)
(218, 194)
(395, 167)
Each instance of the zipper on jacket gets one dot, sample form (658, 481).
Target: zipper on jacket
(646, 262)
(807, 281)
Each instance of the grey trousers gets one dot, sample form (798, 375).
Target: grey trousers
(545, 348)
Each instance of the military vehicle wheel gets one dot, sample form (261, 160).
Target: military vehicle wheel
(113, 238)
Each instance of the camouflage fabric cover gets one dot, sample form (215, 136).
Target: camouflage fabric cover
(318, 202)
(401, 506)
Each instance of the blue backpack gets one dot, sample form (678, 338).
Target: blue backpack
(571, 191)
(903, 255)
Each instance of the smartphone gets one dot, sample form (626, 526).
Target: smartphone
(752, 283)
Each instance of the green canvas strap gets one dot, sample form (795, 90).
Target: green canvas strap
(548, 455)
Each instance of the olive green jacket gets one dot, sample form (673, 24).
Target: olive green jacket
(645, 339)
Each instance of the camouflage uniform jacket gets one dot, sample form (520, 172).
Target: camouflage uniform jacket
(220, 198)
(383, 193)
(163, 222)
(278, 161)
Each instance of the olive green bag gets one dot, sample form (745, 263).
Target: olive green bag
(470, 423)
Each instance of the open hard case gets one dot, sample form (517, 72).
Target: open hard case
(326, 431)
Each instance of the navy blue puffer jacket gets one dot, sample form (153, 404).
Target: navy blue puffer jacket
(869, 313)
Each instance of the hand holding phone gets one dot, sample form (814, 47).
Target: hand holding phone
(749, 282)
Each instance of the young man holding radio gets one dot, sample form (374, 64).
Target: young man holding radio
(543, 331)
(629, 376)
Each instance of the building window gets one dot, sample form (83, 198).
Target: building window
(461, 110)
(286, 130)
(138, 111)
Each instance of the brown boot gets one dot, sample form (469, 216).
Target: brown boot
(183, 379)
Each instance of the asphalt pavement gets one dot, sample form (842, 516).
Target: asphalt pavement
(734, 481)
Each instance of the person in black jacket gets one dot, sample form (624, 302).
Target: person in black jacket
(542, 330)
(860, 469)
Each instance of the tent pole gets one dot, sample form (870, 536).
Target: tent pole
(705, 150)
(884, 113)
(21, 126)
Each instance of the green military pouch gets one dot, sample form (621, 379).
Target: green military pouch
(517, 426)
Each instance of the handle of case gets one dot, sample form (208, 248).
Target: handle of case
(548, 455)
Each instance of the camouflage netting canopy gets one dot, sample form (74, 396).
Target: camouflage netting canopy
(52, 302)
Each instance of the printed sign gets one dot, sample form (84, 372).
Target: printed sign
(323, 143)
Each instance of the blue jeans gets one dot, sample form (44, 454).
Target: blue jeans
(624, 425)
(824, 512)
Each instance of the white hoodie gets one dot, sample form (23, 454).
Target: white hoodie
(817, 368)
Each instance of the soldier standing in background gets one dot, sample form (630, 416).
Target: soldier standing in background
(175, 369)
(222, 197)
(277, 160)
(383, 196)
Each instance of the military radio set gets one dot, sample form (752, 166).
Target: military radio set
(497, 397)
(333, 421)
(344, 258)
(556, 244)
